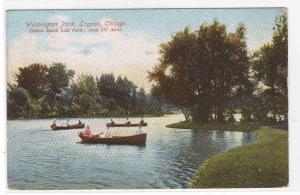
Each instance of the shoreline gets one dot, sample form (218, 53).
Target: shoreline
(226, 126)
(241, 127)
(262, 163)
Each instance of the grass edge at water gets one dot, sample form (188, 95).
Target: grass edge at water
(263, 163)
(243, 127)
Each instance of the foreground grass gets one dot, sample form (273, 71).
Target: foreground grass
(244, 127)
(263, 163)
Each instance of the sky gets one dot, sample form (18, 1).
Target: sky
(131, 51)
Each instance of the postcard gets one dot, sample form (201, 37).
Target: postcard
(101, 99)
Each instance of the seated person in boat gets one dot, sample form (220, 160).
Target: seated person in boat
(54, 124)
(139, 130)
(112, 122)
(128, 122)
(87, 131)
(79, 122)
(142, 122)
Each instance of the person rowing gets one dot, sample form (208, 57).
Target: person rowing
(139, 130)
(112, 122)
(79, 122)
(54, 124)
(128, 122)
(142, 121)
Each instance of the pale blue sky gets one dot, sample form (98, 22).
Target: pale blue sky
(150, 26)
(159, 23)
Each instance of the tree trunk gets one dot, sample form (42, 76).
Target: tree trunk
(286, 118)
(220, 114)
(200, 113)
(186, 115)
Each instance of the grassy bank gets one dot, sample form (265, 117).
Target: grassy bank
(244, 127)
(263, 163)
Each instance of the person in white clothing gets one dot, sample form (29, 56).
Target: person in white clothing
(139, 130)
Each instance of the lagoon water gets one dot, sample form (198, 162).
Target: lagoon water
(38, 158)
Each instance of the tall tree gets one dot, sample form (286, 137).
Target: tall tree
(59, 77)
(106, 85)
(124, 92)
(140, 101)
(33, 78)
(201, 70)
(270, 65)
(18, 102)
(85, 84)
(173, 76)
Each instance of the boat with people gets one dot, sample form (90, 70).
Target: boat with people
(67, 126)
(127, 124)
(139, 138)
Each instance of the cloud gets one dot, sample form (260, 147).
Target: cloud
(59, 40)
(21, 53)
(127, 55)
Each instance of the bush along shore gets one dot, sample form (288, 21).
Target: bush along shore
(263, 163)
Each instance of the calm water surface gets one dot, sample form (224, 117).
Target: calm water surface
(42, 159)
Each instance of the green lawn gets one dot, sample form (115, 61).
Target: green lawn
(263, 163)
(214, 126)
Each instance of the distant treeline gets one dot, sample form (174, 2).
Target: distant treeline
(210, 74)
(50, 91)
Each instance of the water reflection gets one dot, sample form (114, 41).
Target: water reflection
(186, 156)
(39, 159)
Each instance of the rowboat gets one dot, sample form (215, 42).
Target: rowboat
(76, 126)
(139, 139)
(126, 125)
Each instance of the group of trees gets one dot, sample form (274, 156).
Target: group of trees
(50, 91)
(210, 74)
